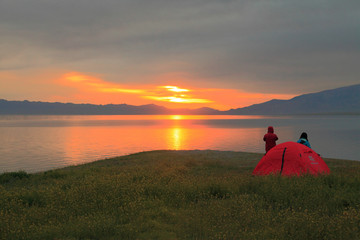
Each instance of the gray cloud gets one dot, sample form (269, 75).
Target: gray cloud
(266, 46)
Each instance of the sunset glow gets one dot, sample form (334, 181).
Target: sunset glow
(176, 99)
(171, 94)
(77, 87)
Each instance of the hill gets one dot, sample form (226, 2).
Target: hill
(56, 108)
(340, 100)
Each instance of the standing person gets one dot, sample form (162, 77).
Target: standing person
(270, 139)
(304, 139)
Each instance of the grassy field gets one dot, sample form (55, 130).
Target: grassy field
(180, 195)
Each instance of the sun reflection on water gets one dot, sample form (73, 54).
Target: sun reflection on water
(176, 137)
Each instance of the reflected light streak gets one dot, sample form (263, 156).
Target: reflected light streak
(176, 117)
(177, 138)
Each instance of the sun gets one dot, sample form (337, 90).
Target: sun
(175, 94)
(175, 89)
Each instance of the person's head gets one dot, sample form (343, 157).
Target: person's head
(270, 129)
(304, 135)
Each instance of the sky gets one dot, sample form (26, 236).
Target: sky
(179, 54)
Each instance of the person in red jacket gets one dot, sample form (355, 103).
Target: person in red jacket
(270, 139)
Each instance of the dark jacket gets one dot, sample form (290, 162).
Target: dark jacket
(270, 139)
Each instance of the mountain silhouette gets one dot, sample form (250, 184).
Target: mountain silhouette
(339, 100)
(335, 101)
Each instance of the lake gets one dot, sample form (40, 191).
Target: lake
(38, 143)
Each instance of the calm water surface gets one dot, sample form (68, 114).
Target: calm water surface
(38, 143)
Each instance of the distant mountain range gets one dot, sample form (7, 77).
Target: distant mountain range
(339, 100)
(334, 101)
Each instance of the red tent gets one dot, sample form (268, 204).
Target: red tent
(291, 158)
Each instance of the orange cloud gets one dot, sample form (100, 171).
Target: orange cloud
(120, 90)
(75, 77)
(96, 84)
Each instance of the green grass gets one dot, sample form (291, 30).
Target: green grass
(180, 195)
